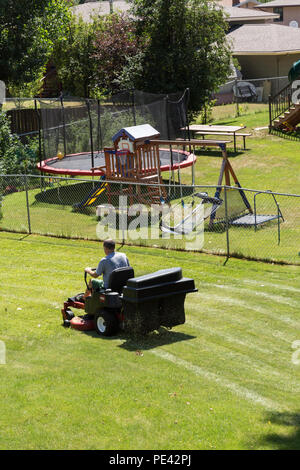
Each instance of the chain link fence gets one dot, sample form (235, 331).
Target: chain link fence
(239, 222)
(255, 90)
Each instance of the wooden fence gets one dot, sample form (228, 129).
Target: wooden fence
(24, 122)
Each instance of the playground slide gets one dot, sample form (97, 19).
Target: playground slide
(92, 196)
(202, 211)
(294, 72)
(188, 224)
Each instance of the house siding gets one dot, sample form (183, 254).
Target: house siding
(289, 14)
(266, 66)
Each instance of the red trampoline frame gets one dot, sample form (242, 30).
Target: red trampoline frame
(45, 168)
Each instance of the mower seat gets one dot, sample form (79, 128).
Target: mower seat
(119, 278)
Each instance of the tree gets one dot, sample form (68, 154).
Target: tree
(116, 43)
(28, 31)
(73, 57)
(185, 47)
(91, 58)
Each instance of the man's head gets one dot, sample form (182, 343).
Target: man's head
(109, 246)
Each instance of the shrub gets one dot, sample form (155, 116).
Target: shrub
(15, 157)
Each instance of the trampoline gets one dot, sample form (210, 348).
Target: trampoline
(80, 129)
(81, 163)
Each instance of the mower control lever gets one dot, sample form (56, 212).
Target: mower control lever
(85, 277)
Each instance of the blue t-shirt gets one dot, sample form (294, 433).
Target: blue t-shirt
(109, 263)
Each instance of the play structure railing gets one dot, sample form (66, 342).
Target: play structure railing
(280, 103)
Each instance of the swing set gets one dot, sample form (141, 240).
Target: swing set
(237, 211)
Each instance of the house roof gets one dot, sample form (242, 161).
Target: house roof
(279, 3)
(264, 39)
(142, 132)
(89, 9)
(228, 3)
(245, 2)
(224, 3)
(247, 14)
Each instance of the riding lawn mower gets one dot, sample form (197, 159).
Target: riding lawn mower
(133, 304)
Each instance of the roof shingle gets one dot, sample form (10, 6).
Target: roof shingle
(90, 9)
(265, 39)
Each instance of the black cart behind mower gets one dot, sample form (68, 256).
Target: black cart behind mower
(133, 304)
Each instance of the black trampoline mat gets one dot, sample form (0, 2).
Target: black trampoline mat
(83, 161)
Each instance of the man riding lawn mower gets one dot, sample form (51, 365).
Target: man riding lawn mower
(136, 305)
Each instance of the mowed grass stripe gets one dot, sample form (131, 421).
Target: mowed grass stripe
(254, 294)
(236, 364)
(272, 286)
(238, 390)
(253, 339)
(228, 275)
(214, 331)
(272, 362)
(227, 300)
(228, 351)
(255, 330)
(279, 353)
(243, 314)
(270, 339)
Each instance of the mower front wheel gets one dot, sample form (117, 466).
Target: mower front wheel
(106, 323)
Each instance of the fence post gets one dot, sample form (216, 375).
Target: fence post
(278, 224)
(133, 105)
(91, 131)
(226, 226)
(27, 204)
(187, 122)
(172, 176)
(270, 114)
(236, 98)
(38, 116)
(64, 123)
(99, 133)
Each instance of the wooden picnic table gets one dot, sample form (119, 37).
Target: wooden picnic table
(216, 129)
(195, 143)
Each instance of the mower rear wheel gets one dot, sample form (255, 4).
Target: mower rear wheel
(106, 323)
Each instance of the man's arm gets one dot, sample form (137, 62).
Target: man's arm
(91, 272)
(96, 272)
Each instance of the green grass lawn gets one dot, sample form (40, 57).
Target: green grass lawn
(257, 112)
(269, 162)
(223, 380)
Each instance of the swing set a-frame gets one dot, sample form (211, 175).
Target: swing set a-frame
(237, 210)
